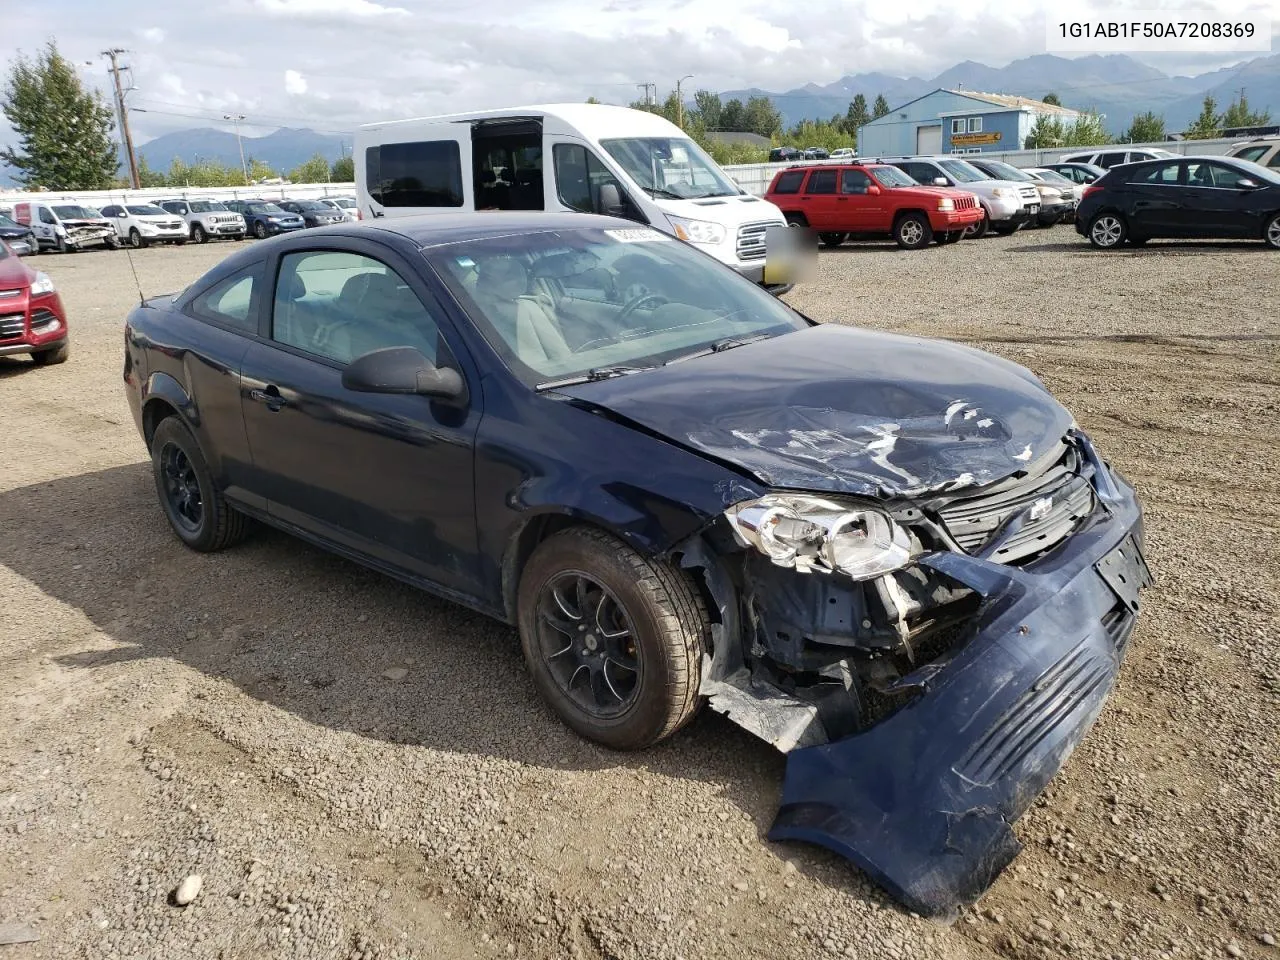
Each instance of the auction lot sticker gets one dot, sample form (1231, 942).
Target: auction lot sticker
(1089, 30)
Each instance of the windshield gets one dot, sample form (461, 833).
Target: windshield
(269, 208)
(148, 210)
(310, 205)
(670, 167)
(206, 206)
(344, 203)
(1004, 171)
(1054, 177)
(963, 171)
(559, 305)
(72, 212)
(888, 176)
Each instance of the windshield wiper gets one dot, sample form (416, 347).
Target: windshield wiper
(595, 373)
(656, 192)
(719, 346)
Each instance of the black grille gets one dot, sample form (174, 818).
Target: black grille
(751, 240)
(1051, 505)
(42, 317)
(11, 326)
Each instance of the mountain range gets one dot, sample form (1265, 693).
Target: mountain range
(1115, 85)
(282, 149)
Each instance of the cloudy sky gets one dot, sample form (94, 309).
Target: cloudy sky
(330, 64)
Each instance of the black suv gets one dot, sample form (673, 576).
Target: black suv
(313, 212)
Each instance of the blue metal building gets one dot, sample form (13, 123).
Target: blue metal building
(956, 121)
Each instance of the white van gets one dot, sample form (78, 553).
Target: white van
(581, 157)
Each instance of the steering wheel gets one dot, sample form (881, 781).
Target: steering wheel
(636, 303)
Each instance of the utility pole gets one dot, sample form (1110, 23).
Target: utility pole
(680, 101)
(650, 92)
(236, 118)
(112, 54)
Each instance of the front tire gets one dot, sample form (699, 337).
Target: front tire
(198, 235)
(196, 510)
(1107, 231)
(832, 239)
(613, 640)
(979, 230)
(47, 358)
(260, 230)
(136, 240)
(951, 236)
(913, 232)
(1271, 232)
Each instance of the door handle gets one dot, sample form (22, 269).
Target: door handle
(270, 396)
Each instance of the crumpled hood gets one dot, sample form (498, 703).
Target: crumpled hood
(847, 410)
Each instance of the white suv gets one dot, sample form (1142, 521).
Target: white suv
(1264, 151)
(143, 224)
(1113, 158)
(207, 219)
(1008, 204)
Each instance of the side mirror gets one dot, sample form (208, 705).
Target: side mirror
(1247, 184)
(611, 199)
(123, 214)
(403, 370)
(941, 182)
(873, 190)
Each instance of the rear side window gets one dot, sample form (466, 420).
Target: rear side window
(1164, 173)
(821, 181)
(426, 173)
(232, 302)
(1111, 159)
(790, 182)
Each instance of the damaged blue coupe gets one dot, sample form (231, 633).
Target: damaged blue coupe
(898, 560)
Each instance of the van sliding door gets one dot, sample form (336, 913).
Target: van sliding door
(507, 163)
(416, 171)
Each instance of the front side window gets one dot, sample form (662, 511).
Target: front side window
(233, 301)
(821, 181)
(1228, 177)
(46, 216)
(340, 305)
(581, 182)
(854, 181)
(555, 305)
(426, 173)
(670, 167)
(789, 182)
(146, 210)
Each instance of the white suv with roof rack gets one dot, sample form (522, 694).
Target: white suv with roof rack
(1113, 157)
(206, 218)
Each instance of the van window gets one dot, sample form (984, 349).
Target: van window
(46, 216)
(421, 174)
(579, 178)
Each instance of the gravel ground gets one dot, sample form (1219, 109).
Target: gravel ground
(166, 714)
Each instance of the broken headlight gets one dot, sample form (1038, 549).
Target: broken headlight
(810, 533)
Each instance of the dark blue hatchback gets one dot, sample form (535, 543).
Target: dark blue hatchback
(263, 219)
(898, 560)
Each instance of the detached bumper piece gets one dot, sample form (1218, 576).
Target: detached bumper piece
(924, 801)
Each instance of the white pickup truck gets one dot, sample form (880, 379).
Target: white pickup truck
(1008, 204)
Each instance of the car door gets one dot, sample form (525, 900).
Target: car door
(1218, 205)
(1154, 200)
(385, 476)
(818, 201)
(860, 211)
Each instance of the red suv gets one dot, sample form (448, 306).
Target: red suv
(31, 316)
(871, 199)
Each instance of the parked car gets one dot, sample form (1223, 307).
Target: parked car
(1055, 203)
(1083, 173)
(898, 560)
(207, 219)
(784, 154)
(1191, 197)
(1113, 157)
(21, 239)
(143, 224)
(32, 318)
(265, 219)
(816, 153)
(1008, 205)
(313, 212)
(347, 205)
(1054, 179)
(871, 200)
(66, 227)
(845, 154)
(1264, 151)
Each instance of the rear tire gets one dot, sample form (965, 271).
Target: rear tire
(1107, 231)
(633, 638)
(912, 231)
(196, 510)
(47, 358)
(1271, 232)
(832, 239)
(796, 220)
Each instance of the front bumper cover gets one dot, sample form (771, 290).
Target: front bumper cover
(923, 802)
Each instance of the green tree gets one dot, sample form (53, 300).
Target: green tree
(1239, 115)
(1052, 98)
(343, 170)
(315, 170)
(1146, 128)
(148, 177)
(258, 171)
(592, 100)
(1087, 131)
(1047, 132)
(709, 109)
(63, 130)
(733, 116)
(880, 108)
(857, 115)
(1206, 125)
(762, 117)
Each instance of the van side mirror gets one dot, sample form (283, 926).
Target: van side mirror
(941, 182)
(611, 199)
(403, 370)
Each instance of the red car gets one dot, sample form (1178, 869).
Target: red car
(871, 199)
(32, 319)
